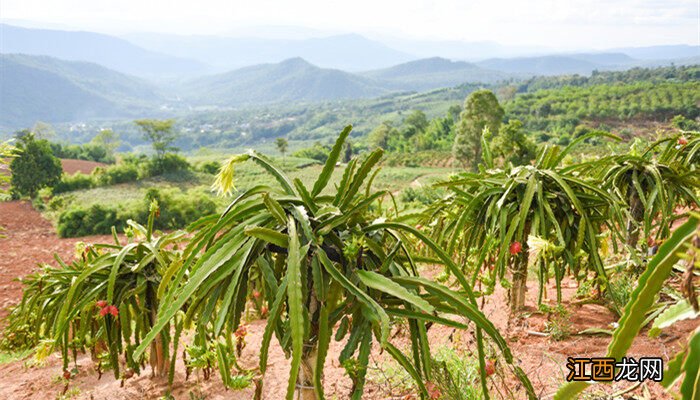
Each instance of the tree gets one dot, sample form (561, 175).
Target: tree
(108, 139)
(160, 134)
(415, 124)
(347, 152)
(282, 145)
(7, 152)
(381, 135)
(34, 166)
(512, 145)
(42, 130)
(481, 110)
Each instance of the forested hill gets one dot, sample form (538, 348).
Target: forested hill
(687, 73)
(291, 80)
(436, 72)
(40, 88)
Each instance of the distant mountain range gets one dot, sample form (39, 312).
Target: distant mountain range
(435, 72)
(40, 88)
(347, 52)
(291, 80)
(108, 51)
(90, 75)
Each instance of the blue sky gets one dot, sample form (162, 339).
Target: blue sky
(562, 24)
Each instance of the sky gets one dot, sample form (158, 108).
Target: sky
(561, 24)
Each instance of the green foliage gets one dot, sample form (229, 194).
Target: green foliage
(316, 152)
(684, 123)
(652, 181)
(160, 134)
(7, 152)
(454, 375)
(641, 300)
(166, 164)
(209, 167)
(512, 145)
(77, 181)
(481, 111)
(564, 108)
(104, 301)
(34, 166)
(324, 258)
(177, 210)
(116, 174)
(282, 145)
(544, 206)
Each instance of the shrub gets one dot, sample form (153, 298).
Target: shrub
(96, 219)
(169, 163)
(210, 167)
(115, 174)
(177, 210)
(69, 183)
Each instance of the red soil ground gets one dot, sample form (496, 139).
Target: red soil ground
(32, 240)
(71, 166)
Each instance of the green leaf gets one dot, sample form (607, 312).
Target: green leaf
(386, 285)
(329, 167)
(677, 312)
(268, 235)
(641, 300)
(296, 307)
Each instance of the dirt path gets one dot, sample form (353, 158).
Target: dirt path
(31, 240)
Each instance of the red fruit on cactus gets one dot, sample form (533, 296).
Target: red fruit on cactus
(104, 311)
(490, 367)
(263, 311)
(241, 332)
(101, 304)
(256, 294)
(515, 248)
(433, 390)
(682, 141)
(113, 310)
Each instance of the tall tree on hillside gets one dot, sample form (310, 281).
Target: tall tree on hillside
(415, 123)
(160, 134)
(108, 139)
(381, 135)
(34, 165)
(481, 110)
(282, 145)
(512, 145)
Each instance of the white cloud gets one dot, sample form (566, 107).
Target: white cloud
(556, 23)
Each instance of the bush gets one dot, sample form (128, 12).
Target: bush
(77, 181)
(168, 164)
(115, 174)
(210, 167)
(177, 210)
(316, 152)
(97, 219)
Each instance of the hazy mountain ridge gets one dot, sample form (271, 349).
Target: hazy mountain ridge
(350, 52)
(41, 88)
(106, 50)
(433, 73)
(291, 80)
